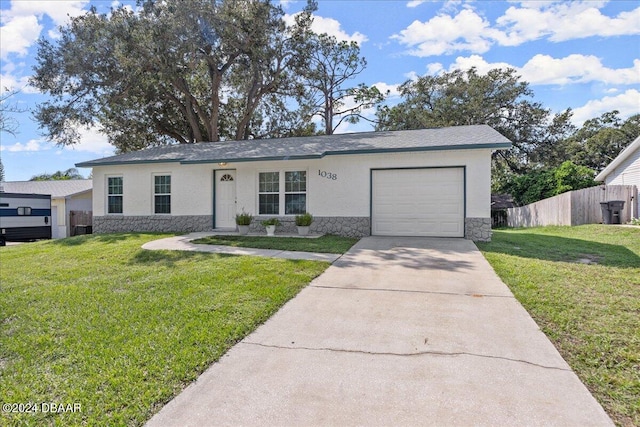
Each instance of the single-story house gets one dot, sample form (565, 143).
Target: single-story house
(66, 196)
(429, 182)
(625, 170)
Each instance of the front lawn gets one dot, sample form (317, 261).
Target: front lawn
(582, 287)
(323, 244)
(96, 321)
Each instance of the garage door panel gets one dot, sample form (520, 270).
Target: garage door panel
(418, 202)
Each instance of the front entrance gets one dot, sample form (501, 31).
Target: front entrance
(225, 199)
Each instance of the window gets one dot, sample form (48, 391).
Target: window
(295, 192)
(269, 193)
(162, 194)
(24, 210)
(114, 195)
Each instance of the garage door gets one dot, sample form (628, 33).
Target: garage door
(418, 202)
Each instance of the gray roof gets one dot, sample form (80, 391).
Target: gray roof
(313, 147)
(57, 189)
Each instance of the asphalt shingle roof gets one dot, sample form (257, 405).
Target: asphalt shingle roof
(450, 138)
(57, 189)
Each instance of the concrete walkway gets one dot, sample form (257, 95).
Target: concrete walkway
(183, 243)
(399, 331)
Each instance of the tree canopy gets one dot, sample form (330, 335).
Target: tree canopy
(71, 173)
(498, 99)
(332, 64)
(543, 183)
(172, 72)
(601, 139)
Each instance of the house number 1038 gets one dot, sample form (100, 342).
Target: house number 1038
(327, 175)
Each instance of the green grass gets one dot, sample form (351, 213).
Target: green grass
(323, 244)
(582, 287)
(96, 320)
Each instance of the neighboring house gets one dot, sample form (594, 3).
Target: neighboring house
(431, 182)
(624, 170)
(66, 196)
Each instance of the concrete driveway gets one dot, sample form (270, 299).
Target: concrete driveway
(399, 331)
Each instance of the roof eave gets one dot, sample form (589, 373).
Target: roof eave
(94, 163)
(619, 159)
(493, 146)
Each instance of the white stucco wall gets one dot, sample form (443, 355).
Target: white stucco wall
(347, 195)
(627, 173)
(80, 202)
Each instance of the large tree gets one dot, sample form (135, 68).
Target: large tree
(328, 95)
(601, 139)
(172, 71)
(497, 98)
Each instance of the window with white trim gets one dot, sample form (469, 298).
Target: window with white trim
(295, 192)
(114, 194)
(162, 194)
(269, 193)
(282, 191)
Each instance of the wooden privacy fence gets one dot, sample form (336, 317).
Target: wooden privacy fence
(575, 207)
(82, 218)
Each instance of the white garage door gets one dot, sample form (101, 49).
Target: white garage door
(418, 202)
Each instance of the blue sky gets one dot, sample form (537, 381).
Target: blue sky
(583, 55)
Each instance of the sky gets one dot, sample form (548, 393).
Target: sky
(583, 55)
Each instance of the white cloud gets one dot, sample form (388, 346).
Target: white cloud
(434, 68)
(393, 89)
(444, 34)
(412, 75)
(464, 63)
(31, 145)
(18, 35)
(415, 3)
(15, 83)
(560, 21)
(546, 70)
(575, 68)
(58, 11)
(628, 103)
(467, 30)
(331, 27)
(22, 23)
(92, 141)
(286, 3)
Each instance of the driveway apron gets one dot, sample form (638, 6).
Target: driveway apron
(399, 331)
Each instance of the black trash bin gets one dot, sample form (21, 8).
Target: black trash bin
(615, 207)
(606, 212)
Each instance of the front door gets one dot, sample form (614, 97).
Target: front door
(225, 187)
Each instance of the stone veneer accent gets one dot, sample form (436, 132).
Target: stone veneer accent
(477, 229)
(151, 223)
(341, 226)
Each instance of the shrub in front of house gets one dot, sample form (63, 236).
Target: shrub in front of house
(304, 220)
(244, 218)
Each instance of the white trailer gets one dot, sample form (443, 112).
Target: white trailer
(24, 217)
